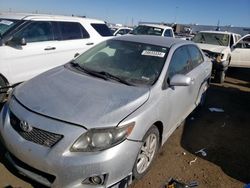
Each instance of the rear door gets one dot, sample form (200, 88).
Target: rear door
(71, 38)
(241, 53)
(200, 73)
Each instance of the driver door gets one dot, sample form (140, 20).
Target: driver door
(241, 53)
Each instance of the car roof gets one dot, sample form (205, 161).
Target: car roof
(30, 16)
(119, 27)
(153, 40)
(219, 32)
(157, 25)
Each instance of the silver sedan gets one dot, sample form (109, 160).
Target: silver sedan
(99, 120)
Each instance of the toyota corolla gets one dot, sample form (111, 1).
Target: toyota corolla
(99, 120)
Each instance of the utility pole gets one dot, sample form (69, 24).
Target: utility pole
(176, 14)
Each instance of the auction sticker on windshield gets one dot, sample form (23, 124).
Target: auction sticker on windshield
(6, 22)
(153, 53)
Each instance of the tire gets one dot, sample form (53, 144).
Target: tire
(146, 154)
(220, 76)
(2, 84)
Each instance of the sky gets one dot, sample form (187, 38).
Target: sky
(128, 12)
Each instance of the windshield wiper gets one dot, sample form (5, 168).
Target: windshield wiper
(113, 77)
(219, 41)
(88, 71)
(100, 74)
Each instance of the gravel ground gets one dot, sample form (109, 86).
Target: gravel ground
(224, 135)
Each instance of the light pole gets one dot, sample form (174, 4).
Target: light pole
(176, 14)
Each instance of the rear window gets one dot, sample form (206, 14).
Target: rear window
(72, 30)
(102, 29)
(147, 30)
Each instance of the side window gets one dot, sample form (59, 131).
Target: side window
(180, 62)
(72, 30)
(244, 43)
(102, 29)
(168, 33)
(196, 56)
(121, 32)
(127, 31)
(36, 31)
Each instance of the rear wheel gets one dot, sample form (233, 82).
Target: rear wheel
(147, 153)
(3, 92)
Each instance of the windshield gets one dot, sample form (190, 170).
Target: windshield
(212, 38)
(6, 24)
(147, 30)
(134, 63)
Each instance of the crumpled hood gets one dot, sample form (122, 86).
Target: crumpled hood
(80, 99)
(212, 48)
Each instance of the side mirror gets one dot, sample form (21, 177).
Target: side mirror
(180, 80)
(18, 41)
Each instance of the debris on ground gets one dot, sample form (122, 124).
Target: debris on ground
(173, 183)
(202, 151)
(184, 153)
(193, 161)
(216, 109)
(224, 124)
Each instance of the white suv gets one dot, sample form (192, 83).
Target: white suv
(32, 44)
(217, 45)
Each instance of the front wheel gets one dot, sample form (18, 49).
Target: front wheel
(220, 76)
(147, 153)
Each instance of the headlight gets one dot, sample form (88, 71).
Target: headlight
(219, 57)
(101, 139)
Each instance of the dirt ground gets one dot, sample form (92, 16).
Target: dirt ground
(224, 135)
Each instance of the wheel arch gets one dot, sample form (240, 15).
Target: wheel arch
(159, 126)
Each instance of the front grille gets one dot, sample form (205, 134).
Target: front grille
(35, 135)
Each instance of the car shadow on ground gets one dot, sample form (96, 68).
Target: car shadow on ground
(239, 73)
(224, 135)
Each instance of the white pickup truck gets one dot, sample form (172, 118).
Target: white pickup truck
(218, 46)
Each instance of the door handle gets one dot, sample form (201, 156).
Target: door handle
(50, 48)
(89, 43)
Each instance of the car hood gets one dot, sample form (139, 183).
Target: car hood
(80, 99)
(212, 48)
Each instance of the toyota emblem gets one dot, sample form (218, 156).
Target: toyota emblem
(25, 126)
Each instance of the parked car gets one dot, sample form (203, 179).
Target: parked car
(100, 119)
(117, 31)
(240, 56)
(153, 29)
(217, 45)
(32, 44)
